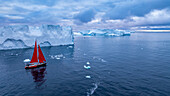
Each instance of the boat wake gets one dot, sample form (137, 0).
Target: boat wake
(92, 90)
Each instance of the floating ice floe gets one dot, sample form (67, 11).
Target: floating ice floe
(87, 67)
(88, 63)
(57, 56)
(70, 47)
(27, 60)
(12, 54)
(88, 76)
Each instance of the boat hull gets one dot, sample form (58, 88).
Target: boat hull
(42, 64)
(35, 66)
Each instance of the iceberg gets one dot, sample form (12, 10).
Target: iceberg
(87, 67)
(24, 36)
(77, 34)
(27, 60)
(104, 32)
(88, 77)
(88, 63)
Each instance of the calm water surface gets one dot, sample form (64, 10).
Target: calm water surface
(136, 65)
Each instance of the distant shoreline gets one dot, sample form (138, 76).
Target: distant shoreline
(152, 31)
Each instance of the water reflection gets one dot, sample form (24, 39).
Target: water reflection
(38, 75)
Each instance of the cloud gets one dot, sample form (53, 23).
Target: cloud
(86, 13)
(14, 17)
(85, 16)
(155, 17)
(129, 8)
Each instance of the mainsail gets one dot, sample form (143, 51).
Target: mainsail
(34, 57)
(40, 56)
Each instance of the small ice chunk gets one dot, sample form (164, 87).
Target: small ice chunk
(57, 56)
(103, 60)
(87, 67)
(70, 46)
(52, 57)
(88, 63)
(141, 48)
(88, 77)
(27, 60)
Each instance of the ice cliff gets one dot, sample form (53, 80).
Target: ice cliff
(24, 36)
(103, 32)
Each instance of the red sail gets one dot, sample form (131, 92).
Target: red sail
(34, 57)
(41, 56)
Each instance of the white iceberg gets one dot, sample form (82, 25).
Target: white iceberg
(77, 34)
(104, 32)
(24, 36)
(87, 67)
(88, 63)
(88, 76)
(27, 60)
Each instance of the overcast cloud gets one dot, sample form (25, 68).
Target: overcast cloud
(84, 14)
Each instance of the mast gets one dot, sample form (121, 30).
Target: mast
(34, 57)
(40, 56)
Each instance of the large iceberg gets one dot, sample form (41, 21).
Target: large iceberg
(104, 32)
(24, 36)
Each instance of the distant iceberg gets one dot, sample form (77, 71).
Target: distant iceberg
(103, 32)
(23, 36)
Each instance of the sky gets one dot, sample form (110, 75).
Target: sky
(87, 14)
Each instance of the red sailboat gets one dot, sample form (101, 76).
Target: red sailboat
(37, 59)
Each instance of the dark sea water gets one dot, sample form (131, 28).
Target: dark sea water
(136, 65)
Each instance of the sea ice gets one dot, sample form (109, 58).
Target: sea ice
(88, 63)
(88, 76)
(27, 60)
(87, 67)
(70, 47)
(57, 56)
